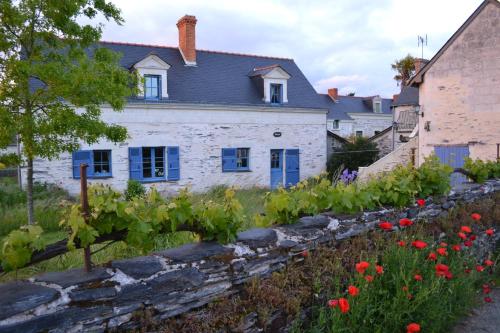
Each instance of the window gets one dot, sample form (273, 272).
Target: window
(98, 161)
(149, 164)
(336, 124)
(235, 159)
(377, 107)
(276, 93)
(359, 134)
(152, 86)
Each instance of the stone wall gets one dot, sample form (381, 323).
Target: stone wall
(401, 156)
(175, 281)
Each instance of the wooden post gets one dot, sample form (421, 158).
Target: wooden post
(85, 212)
(413, 157)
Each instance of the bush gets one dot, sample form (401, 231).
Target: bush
(480, 171)
(406, 288)
(358, 153)
(134, 190)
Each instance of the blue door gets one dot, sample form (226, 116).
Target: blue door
(454, 156)
(276, 168)
(292, 167)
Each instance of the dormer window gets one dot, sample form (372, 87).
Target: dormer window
(276, 93)
(152, 86)
(377, 107)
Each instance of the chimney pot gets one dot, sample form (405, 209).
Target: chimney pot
(187, 38)
(333, 93)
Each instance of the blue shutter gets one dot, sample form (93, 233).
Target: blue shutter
(135, 163)
(292, 167)
(82, 157)
(228, 159)
(173, 163)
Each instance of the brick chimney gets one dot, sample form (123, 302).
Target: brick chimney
(333, 93)
(419, 63)
(395, 98)
(187, 39)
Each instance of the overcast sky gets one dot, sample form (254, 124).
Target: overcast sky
(348, 44)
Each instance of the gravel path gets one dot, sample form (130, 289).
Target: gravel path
(484, 319)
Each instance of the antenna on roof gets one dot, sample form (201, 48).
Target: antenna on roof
(422, 41)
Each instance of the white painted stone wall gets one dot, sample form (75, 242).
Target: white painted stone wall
(369, 123)
(201, 132)
(345, 128)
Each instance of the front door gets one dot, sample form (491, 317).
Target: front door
(454, 156)
(292, 167)
(276, 168)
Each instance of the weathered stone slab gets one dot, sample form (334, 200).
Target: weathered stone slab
(90, 295)
(17, 297)
(74, 277)
(311, 222)
(258, 237)
(140, 267)
(182, 279)
(195, 252)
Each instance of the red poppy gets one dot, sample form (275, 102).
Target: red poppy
(402, 243)
(455, 248)
(379, 269)
(419, 244)
(413, 328)
(369, 278)
(475, 216)
(405, 222)
(468, 243)
(421, 202)
(488, 299)
(448, 275)
(466, 229)
(442, 251)
(362, 266)
(344, 305)
(418, 277)
(443, 244)
(486, 289)
(467, 270)
(479, 268)
(304, 253)
(384, 225)
(462, 235)
(405, 288)
(472, 238)
(490, 232)
(353, 291)
(488, 262)
(442, 270)
(333, 303)
(432, 256)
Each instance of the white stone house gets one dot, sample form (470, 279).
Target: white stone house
(204, 118)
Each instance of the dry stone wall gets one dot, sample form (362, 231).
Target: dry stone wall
(175, 281)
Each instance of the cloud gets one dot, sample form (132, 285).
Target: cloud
(348, 43)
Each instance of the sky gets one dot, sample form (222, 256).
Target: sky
(344, 44)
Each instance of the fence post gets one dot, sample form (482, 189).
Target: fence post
(85, 212)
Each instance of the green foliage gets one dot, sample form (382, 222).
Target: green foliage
(480, 170)
(395, 298)
(433, 177)
(358, 153)
(134, 189)
(18, 246)
(9, 160)
(405, 68)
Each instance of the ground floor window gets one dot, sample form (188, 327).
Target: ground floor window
(235, 159)
(359, 134)
(149, 164)
(98, 161)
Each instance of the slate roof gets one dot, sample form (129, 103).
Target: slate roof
(351, 104)
(219, 77)
(408, 96)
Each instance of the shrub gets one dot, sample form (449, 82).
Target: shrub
(434, 177)
(358, 153)
(134, 190)
(480, 171)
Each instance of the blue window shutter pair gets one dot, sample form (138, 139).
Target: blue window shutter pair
(173, 163)
(228, 159)
(82, 157)
(135, 163)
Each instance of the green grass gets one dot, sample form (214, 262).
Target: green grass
(49, 209)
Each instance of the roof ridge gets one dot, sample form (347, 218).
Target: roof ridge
(265, 67)
(201, 50)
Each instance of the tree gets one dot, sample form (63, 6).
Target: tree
(55, 78)
(405, 68)
(359, 152)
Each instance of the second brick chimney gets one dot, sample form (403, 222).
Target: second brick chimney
(333, 93)
(419, 63)
(187, 39)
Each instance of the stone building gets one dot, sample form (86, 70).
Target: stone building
(204, 118)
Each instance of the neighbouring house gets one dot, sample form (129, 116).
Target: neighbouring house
(334, 142)
(357, 116)
(457, 104)
(204, 118)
